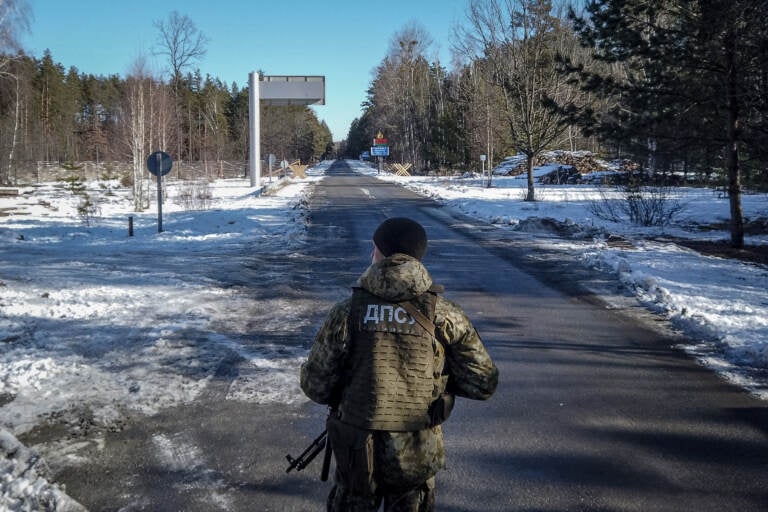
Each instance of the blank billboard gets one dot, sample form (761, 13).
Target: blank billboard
(292, 90)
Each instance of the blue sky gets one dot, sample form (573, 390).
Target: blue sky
(342, 40)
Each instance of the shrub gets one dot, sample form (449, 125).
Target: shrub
(640, 204)
(194, 195)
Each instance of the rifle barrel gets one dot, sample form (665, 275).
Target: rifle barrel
(308, 455)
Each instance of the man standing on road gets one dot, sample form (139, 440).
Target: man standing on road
(389, 361)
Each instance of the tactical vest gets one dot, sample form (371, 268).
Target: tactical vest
(394, 370)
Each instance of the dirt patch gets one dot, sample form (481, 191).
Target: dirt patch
(722, 249)
(758, 226)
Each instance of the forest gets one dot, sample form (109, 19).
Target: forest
(49, 114)
(676, 86)
(68, 116)
(657, 82)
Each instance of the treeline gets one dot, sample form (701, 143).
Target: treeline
(48, 113)
(490, 103)
(654, 82)
(678, 86)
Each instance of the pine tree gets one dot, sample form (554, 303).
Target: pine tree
(688, 75)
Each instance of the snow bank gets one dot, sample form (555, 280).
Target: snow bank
(23, 481)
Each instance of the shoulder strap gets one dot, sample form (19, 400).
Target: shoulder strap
(437, 288)
(423, 321)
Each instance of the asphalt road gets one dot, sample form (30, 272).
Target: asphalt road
(595, 410)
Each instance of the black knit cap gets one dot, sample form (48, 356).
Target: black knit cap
(403, 235)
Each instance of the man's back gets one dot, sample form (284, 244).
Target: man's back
(384, 359)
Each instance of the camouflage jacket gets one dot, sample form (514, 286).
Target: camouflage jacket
(471, 372)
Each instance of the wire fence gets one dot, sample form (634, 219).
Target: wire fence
(30, 173)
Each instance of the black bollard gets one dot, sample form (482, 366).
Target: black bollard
(130, 225)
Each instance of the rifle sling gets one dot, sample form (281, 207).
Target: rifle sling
(417, 315)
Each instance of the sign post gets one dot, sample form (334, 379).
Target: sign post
(254, 129)
(271, 159)
(159, 163)
(380, 148)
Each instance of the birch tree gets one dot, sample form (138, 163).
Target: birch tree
(14, 19)
(407, 52)
(138, 100)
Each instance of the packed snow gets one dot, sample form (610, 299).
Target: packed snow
(91, 318)
(97, 323)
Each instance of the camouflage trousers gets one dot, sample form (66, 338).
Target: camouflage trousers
(396, 469)
(419, 499)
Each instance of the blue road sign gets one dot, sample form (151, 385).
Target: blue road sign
(159, 163)
(379, 150)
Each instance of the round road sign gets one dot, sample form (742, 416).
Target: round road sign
(159, 163)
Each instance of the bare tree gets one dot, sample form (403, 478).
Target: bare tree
(137, 112)
(402, 93)
(14, 18)
(180, 41)
(520, 39)
(7, 172)
(409, 42)
(483, 112)
(214, 123)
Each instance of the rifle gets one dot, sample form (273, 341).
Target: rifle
(309, 454)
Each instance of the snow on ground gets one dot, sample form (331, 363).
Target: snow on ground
(74, 296)
(23, 481)
(97, 324)
(93, 319)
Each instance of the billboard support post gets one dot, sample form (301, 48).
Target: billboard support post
(254, 116)
(276, 90)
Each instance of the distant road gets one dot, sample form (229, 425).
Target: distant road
(594, 411)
